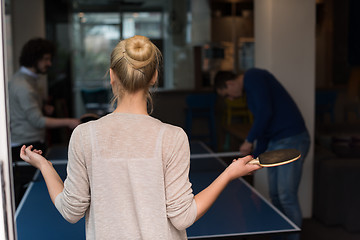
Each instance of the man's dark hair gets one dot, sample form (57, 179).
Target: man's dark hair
(222, 77)
(34, 50)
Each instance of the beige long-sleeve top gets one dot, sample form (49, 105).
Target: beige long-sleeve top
(128, 174)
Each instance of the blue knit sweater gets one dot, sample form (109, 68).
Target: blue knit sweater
(276, 115)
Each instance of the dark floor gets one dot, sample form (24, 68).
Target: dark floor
(315, 230)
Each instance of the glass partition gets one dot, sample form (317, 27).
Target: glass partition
(94, 35)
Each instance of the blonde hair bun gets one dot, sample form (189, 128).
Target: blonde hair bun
(139, 51)
(134, 62)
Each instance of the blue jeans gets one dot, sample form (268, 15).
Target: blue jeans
(284, 180)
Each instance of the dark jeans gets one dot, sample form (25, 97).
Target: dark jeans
(23, 174)
(284, 180)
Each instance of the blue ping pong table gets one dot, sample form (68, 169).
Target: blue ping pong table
(240, 211)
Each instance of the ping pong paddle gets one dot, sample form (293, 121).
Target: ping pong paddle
(276, 157)
(88, 117)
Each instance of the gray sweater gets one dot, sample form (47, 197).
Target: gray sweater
(27, 122)
(129, 175)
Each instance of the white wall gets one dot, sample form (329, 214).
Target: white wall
(6, 202)
(285, 45)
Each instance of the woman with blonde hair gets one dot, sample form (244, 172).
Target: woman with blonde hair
(127, 172)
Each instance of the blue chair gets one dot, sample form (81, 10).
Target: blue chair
(201, 106)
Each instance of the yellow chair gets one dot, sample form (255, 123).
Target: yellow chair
(237, 108)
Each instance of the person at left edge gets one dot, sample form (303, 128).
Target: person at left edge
(29, 116)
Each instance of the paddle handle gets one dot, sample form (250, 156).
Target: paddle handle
(254, 161)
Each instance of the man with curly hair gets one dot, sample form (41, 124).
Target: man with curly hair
(29, 117)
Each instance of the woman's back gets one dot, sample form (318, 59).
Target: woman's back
(125, 164)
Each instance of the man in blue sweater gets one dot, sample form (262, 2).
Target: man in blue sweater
(278, 124)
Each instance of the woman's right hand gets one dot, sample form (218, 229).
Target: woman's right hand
(32, 156)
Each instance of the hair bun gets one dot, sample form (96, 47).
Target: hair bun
(140, 49)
